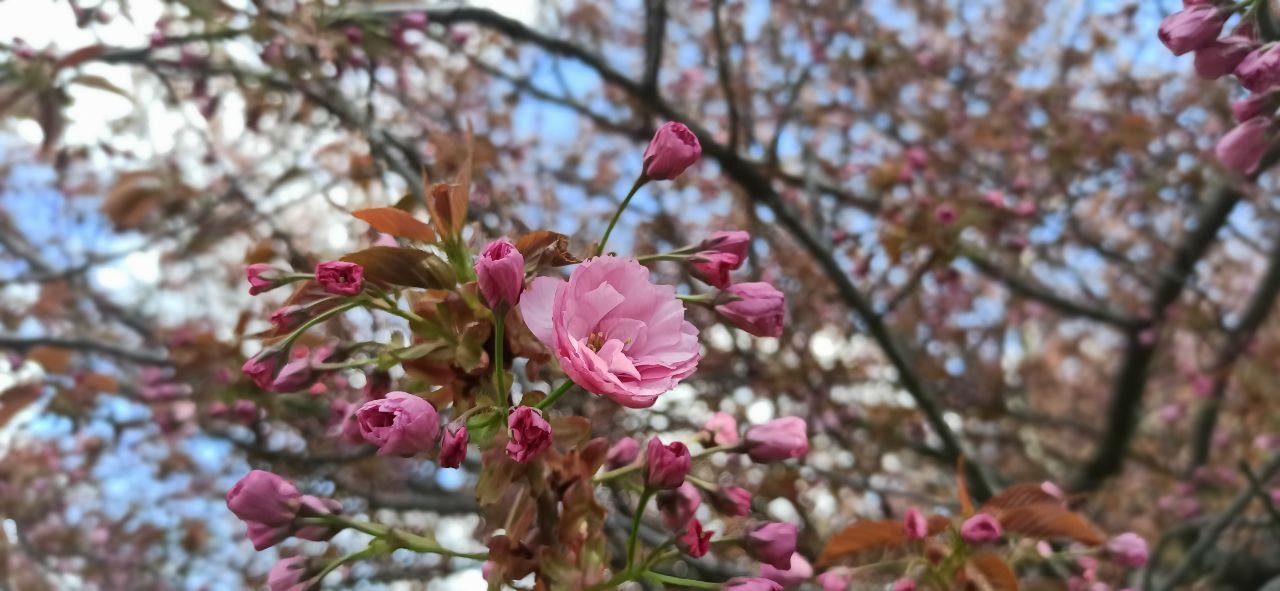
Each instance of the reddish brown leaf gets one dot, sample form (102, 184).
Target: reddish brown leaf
(545, 248)
(1019, 495)
(80, 56)
(52, 359)
(403, 266)
(100, 382)
(938, 524)
(15, 399)
(571, 430)
(991, 572)
(395, 222)
(860, 537)
(1049, 521)
(962, 489)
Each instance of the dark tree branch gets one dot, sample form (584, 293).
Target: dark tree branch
(1255, 312)
(1208, 539)
(655, 32)
(726, 77)
(1030, 289)
(85, 345)
(1131, 378)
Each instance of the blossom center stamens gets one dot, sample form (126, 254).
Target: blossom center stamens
(595, 341)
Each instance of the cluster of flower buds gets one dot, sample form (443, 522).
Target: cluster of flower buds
(613, 333)
(1251, 53)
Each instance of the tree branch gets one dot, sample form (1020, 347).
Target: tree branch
(87, 345)
(1255, 312)
(1131, 379)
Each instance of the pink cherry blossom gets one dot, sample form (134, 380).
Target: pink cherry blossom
(615, 333)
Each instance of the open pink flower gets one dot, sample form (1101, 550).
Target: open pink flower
(530, 434)
(340, 277)
(615, 333)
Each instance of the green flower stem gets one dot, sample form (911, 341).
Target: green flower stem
(372, 550)
(639, 463)
(640, 182)
(554, 395)
(407, 315)
(701, 299)
(317, 319)
(397, 538)
(666, 256)
(679, 582)
(635, 527)
(503, 399)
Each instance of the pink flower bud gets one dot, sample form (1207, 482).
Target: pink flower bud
(916, 525)
(723, 428)
(904, 585)
(750, 584)
(779, 439)
(288, 317)
(791, 577)
(245, 411)
(678, 506)
(834, 580)
(758, 309)
(500, 272)
(294, 376)
(1128, 550)
(672, 149)
(262, 278)
(1260, 70)
(621, 453)
(945, 213)
(720, 254)
(773, 543)
(400, 424)
(288, 574)
(414, 20)
(453, 446)
(1242, 148)
(261, 368)
(340, 277)
(1255, 106)
(732, 501)
(267, 504)
(666, 465)
(1219, 58)
(530, 434)
(694, 541)
(1191, 28)
(980, 529)
(354, 35)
